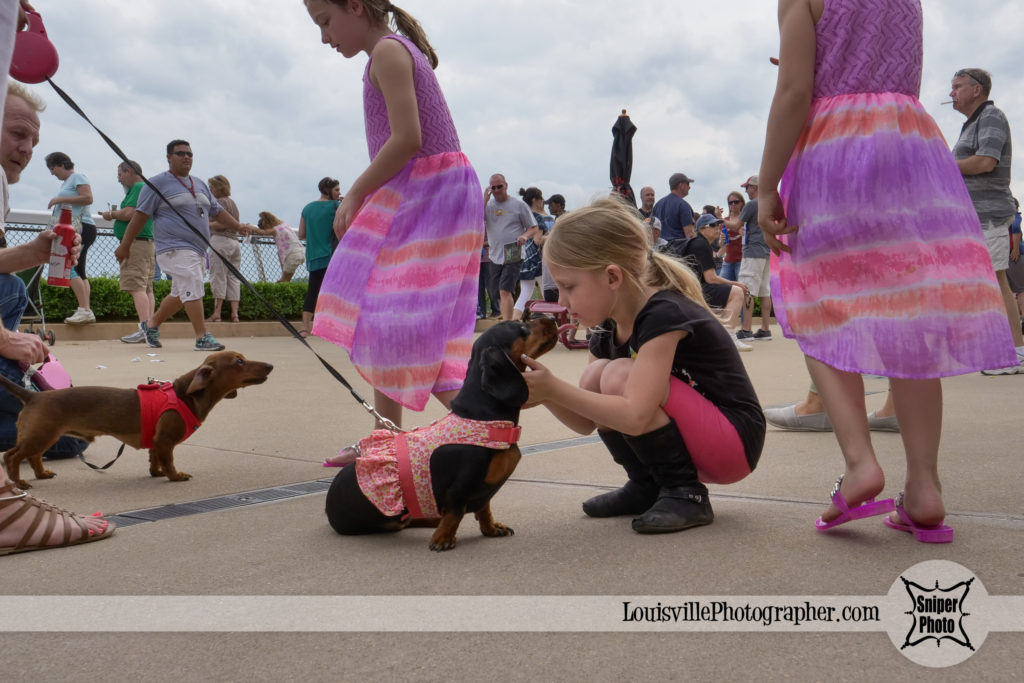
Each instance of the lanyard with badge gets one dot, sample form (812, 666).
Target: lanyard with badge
(192, 191)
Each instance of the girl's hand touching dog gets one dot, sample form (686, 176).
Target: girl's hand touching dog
(539, 381)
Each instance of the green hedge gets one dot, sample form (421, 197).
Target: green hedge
(110, 303)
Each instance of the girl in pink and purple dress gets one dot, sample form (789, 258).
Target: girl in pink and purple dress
(881, 265)
(400, 292)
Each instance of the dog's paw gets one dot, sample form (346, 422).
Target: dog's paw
(46, 474)
(23, 485)
(442, 543)
(498, 529)
(179, 476)
(156, 472)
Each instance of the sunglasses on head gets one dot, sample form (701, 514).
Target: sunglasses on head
(979, 79)
(182, 153)
(497, 187)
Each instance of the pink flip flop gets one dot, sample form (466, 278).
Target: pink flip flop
(940, 533)
(868, 508)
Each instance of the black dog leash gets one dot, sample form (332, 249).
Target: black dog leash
(388, 424)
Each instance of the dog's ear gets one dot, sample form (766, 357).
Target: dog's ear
(200, 380)
(501, 379)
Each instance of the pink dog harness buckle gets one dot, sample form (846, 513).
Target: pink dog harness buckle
(393, 470)
(157, 398)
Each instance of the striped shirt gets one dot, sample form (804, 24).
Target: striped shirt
(987, 133)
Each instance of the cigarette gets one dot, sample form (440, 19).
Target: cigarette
(950, 102)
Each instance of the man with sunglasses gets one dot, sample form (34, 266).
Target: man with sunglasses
(509, 224)
(180, 251)
(984, 154)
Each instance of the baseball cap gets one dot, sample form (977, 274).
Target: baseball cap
(752, 180)
(708, 219)
(556, 199)
(677, 178)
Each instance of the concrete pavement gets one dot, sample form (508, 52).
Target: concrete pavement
(274, 436)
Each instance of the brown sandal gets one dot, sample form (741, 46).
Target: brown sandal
(10, 495)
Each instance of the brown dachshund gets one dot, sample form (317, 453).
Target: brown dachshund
(88, 412)
(463, 477)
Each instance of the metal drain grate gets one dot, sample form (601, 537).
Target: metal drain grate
(221, 503)
(284, 492)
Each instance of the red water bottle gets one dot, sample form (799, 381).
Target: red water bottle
(60, 250)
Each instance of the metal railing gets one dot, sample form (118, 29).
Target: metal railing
(259, 254)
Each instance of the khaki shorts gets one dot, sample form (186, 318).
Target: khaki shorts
(294, 259)
(997, 239)
(137, 269)
(187, 269)
(754, 274)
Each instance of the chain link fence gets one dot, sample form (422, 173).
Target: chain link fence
(259, 254)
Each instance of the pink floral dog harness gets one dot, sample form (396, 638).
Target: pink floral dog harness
(393, 469)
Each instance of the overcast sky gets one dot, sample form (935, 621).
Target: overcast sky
(534, 87)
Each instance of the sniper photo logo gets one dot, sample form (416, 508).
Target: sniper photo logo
(937, 613)
(931, 621)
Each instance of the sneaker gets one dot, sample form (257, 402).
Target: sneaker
(152, 335)
(741, 346)
(208, 343)
(136, 337)
(81, 316)
(762, 335)
(785, 417)
(743, 335)
(1011, 370)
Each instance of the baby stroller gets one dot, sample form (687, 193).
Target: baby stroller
(34, 314)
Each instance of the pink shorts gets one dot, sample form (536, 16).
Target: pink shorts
(712, 440)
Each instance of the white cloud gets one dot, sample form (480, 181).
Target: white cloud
(534, 87)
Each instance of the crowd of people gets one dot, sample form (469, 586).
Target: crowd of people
(668, 295)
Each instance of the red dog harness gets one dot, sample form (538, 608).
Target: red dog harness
(156, 398)
(393, 469)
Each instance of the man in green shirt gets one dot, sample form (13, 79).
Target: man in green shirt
(137, 269)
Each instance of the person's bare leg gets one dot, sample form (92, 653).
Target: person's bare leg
(1012, 313)
(168, 307)
(215, 313)
(143, 305)
(843, 396)
(887, 409)
(80, 288)
(389, 409)
(766, 313)
(811, 405)
(919, 411)
(307, 321)
(506, 304)
(733, 306)
(234, 310)
(194, 311)
(748, 312)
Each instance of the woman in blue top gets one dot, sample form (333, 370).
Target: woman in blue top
(76, 192)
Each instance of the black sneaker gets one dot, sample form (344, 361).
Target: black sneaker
(743, 335)
(762, 335)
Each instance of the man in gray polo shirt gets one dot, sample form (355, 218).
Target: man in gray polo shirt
(509, 224)
(180, 252)
(984, 154)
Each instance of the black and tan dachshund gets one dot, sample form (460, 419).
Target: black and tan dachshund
(463, 478)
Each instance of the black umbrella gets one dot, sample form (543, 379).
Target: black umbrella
(621, 167)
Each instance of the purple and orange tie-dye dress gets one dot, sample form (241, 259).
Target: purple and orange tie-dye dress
(889, 272)
(400, 292)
